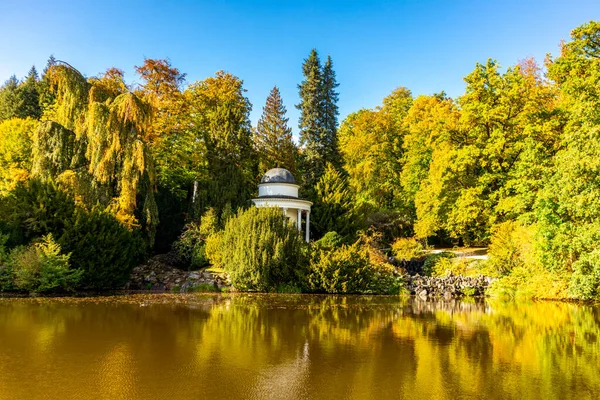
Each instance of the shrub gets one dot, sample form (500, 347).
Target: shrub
(407, 248)
(213, 249)
(260, 249)
(34, 209)
(329, 241)
(433, 259)
(459, 266)
(351, 269)
(512, 245)
(41, 268)
(105, 250)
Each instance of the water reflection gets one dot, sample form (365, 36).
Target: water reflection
(269, 346)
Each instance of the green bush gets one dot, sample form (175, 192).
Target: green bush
(105, 250)
(433, 259)
(41, 268)
(34, 209)
(329, 241)
(260, 250)
(213, 249)
(351, 269)
(100, 246)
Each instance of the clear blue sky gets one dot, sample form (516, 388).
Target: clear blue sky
(427, 46)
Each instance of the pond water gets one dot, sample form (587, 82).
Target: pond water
(296, 347)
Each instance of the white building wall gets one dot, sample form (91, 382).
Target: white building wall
(277, 189)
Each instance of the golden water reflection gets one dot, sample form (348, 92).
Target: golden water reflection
(296, 346)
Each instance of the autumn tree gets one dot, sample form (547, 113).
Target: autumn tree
(273, 136)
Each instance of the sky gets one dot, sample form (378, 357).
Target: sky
(376, 46)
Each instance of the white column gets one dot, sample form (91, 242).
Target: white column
(299, 220)
(307, 226)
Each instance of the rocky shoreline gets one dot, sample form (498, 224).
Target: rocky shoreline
(160, 273)
(447, 286)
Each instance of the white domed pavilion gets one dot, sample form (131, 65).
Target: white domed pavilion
(278, 188)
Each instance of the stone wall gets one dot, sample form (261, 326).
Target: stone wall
(160, 273)
(447, 286)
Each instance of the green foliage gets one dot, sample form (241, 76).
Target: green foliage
(429, 265)
(41, 268)
(260, 250)
(329, 241)
(102, 248)
(273, 136)
(333, 206)
(219, 117)
(407, 248)
(351, 269)
(15, 152)
(318, 119)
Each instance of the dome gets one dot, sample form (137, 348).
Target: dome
(278, 175)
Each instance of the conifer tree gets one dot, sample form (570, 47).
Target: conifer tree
(311, 132)
(10, 101)
(273, 136)
(30, 96)
(329, 114)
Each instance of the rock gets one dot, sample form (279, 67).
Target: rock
(160, 273)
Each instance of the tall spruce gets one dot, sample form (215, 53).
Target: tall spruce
(318, 119)
(311, 132)
(329, 115)
(273, 136)
(10, 100)
(30, 96)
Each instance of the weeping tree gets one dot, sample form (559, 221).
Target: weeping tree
(92, 141)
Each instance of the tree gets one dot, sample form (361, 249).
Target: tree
(30, 96)
(262, 250)
(16, 136)
(273, 137)
(480, 173)
(568, 208)
(10, 99)
(311, 132)
(329, 114)
(220, 118)
(333, 209)
(93, 143)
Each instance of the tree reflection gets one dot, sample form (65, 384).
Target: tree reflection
(295, 346)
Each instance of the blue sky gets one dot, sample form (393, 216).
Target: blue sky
(427, 46)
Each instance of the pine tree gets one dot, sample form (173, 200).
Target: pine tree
(10, 101)
(311, 132)
(273, 136)
(30, 96)
(329, 115)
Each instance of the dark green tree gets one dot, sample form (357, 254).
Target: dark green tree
(273, 136)
(10, 99)
(329, 114)
(30, 96)
(311, 132)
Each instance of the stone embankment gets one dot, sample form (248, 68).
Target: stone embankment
(160, 273)
(447, 286)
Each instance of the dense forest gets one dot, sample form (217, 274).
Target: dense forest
(96, 174)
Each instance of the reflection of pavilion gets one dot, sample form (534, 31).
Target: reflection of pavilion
(278, 188)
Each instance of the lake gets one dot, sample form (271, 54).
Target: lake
(296, 347)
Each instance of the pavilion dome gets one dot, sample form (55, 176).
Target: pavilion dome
(278, 175)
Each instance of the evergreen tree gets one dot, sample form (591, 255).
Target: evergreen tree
(273, 137)
(30, 96)
(311, 132)
(10, 100)
(329, 115)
